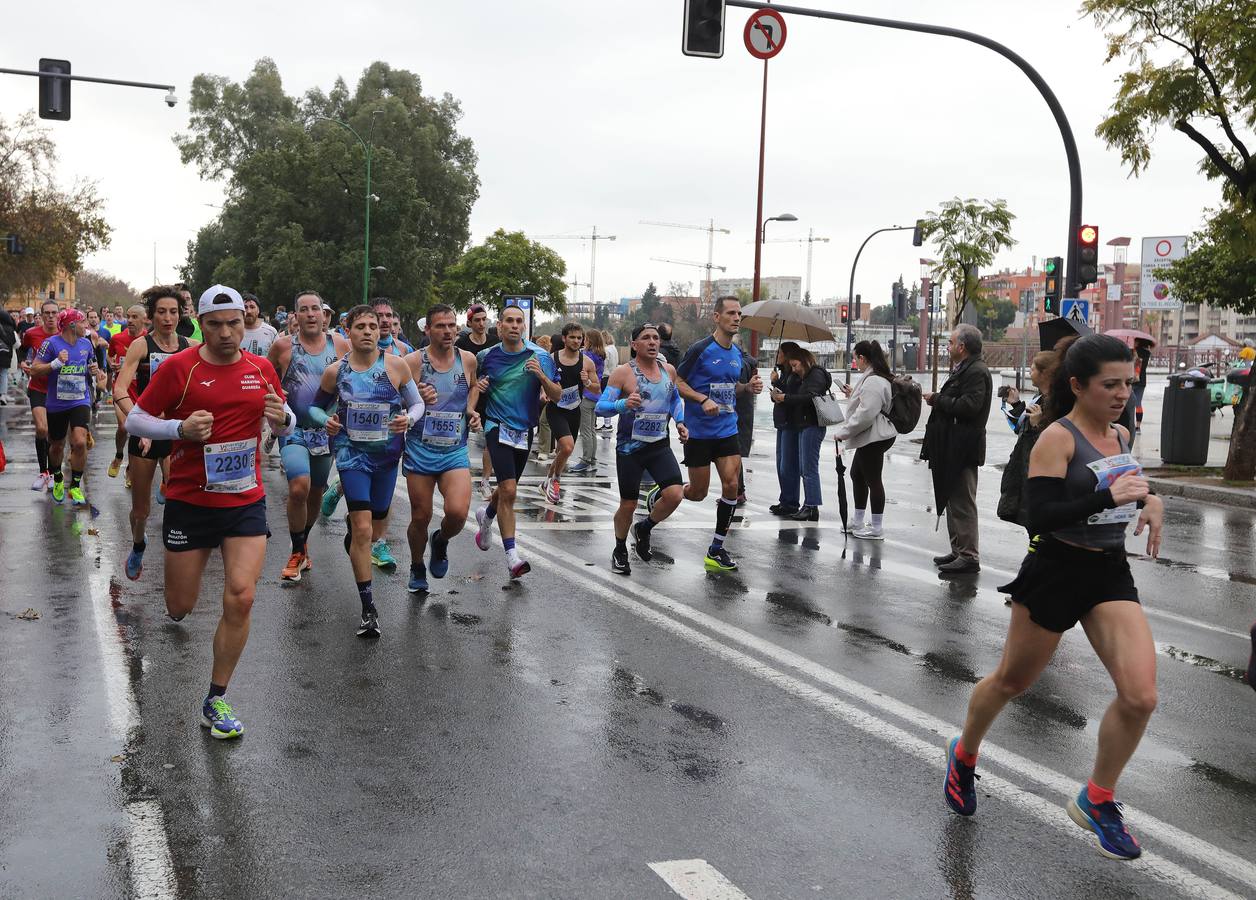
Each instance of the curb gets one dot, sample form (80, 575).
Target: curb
(1173, 487)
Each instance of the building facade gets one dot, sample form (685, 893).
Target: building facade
(771, 287)
(60, 287)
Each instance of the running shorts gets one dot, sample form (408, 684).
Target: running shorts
(563, 422)
(299, 462)
(369, 490)
(508, 462)
(60, 423)
(656, 458)
(158, 450)
(187, 526)
(701, 452)
(39, 399)
(1059, 583)
(420, 459)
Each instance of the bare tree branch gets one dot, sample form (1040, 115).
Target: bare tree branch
(1241, 180)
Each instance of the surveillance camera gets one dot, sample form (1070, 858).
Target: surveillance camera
(171, 99)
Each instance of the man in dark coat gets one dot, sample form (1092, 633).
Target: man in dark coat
(667, 347)
(955, 445)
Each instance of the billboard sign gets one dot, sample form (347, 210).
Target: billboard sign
(1155, 292)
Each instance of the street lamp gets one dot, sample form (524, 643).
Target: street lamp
(917, 239)
(369, 197)
(783, 217)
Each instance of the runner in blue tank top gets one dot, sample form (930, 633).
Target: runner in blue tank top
(708, 380)
(642, 392)
(301, 359)
(376, 401)
(436, 447)
(68, 360)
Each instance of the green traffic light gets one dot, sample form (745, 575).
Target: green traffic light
(1050, 266)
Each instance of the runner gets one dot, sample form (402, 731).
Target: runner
(37, 388)
(512, 374)
(389, 328)
(377, 401)
(210, 401)
(576, 373)
(642, 392)
(1084, 489)
(189, 326)
(436, 447)
(143, 358)
(68, 361)
(707, 379)
(119, 344)
(258, 334)
(477, 337)
(301, 360)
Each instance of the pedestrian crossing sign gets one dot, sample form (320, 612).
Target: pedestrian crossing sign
(1076, 310)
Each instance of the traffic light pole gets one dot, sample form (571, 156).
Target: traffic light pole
(1061, 120)
(851, 294)
(139, 84)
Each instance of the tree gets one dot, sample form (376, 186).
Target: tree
(97, 288)
(57, 226)
(968, 234)
(294, 214)
(506, 263)
(994, 315)
(1191, 68)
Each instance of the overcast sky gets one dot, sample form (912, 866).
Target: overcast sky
(584, 113)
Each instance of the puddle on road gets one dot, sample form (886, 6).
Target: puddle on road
(1204, 662)
(796, 604)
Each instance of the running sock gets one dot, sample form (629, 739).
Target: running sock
(490, 512)
(215, 690)
(621, 544)
(724, 516)
(298, 540)
(1097, 795)
(647, 524)
(75, 478)
(877, 519)
(858, 519)
(508, 543)
(140, 547)
(366, 596)
(968, 759)
(439, 541)
(58, 477)
(41, 453)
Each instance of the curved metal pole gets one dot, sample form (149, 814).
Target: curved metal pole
(1061, 120)
(850, 297)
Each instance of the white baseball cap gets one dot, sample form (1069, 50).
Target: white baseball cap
(29, 311)
(219, 297)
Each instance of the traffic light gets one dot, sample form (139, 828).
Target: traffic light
(845, 313)
(704, 28)
(1087, 250)
(1054, 269)
(899, 295)
(918, 234)
(54, 93)
(858, 307)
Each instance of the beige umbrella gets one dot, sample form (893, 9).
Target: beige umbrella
(786, 321)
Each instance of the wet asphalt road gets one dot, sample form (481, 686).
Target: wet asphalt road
(785, 723)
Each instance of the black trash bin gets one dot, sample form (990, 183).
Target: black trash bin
(1185, 420)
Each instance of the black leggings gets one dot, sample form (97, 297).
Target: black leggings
(865, 475)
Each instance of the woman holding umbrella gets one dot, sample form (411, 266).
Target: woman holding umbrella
(806, 434)
(869, 432)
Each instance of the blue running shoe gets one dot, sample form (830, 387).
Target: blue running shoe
(440, 555)
(134, 565)
(961, 792)
(381, 556)
(1104, 819)
(218, 716)
(418, 579)
(331, 498)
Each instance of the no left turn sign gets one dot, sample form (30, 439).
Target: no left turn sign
(765, 33)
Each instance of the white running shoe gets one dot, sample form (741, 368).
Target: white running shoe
(486, 489)
(868, 533)
(484, 533)
(41, 482)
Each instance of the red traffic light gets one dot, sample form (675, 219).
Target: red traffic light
(845, 313)
(1088, 234)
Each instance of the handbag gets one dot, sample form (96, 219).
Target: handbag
(828, 410)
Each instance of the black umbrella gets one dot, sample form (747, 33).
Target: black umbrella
(841, 486)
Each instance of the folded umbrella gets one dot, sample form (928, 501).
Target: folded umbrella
(841, 487)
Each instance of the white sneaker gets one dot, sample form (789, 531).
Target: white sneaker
(41, 482)
(868, 533)
(486, 489)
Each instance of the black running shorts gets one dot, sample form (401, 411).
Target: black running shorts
(563, 422)
(508, 462)
(158, 450)
(701, 452)
(60, 423)
(656, 458)
(186, 526)
(1059, 583)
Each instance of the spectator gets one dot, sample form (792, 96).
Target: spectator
(955, 445)
(1142, 359)
(544, 437)
(29, 320)
(784, 382)
(869, 432)
(667, 347)
(803, 457)
(612, 360)
(1027, 421)
(8, 339)
(595, 349)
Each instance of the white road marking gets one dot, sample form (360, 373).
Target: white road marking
(661, 609)
(697, 879)
(152, 869)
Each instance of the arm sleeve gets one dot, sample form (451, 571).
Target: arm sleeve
(1050, 508)
(414, 403)
(678, 409)
(146, 425)
(318, 409)
(608, 404)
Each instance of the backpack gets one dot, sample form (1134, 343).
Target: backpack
(905, 403)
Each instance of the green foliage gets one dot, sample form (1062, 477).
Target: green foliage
(994, 314)
(296, 183)
(97, 288)
(1220, 267)
(968, 234)
(59, 226)
(506, 263)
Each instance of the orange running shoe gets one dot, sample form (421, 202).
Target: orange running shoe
(297, 563)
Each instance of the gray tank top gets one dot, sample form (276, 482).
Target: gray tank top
(1080, 480)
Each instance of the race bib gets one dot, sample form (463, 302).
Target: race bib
(442, 428)
(513, 437)
(367, 422)
(649, 427)
(570, 398)
(155, 360)
(71, 387)
(1107, 471)
(231, 467)
(316, 441)
(724, 395)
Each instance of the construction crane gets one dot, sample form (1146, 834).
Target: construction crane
(575, 283)
(594, 238)
(810, 241)
(711, 228)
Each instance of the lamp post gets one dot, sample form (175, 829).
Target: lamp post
(850, 296)
(763, 232)
(368, 197)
